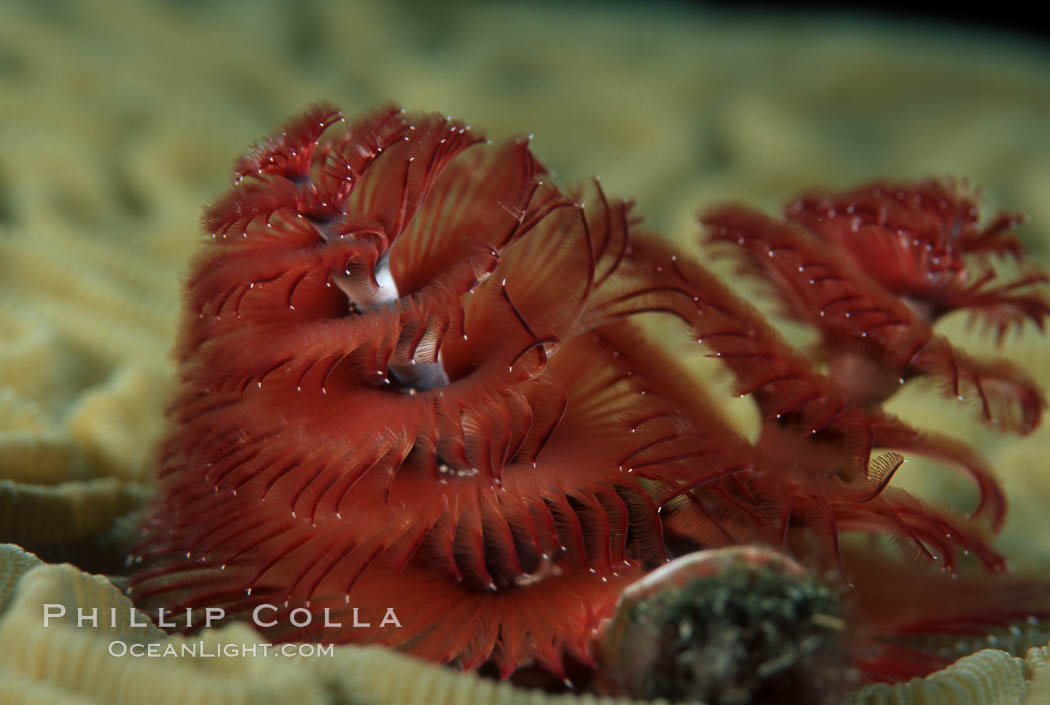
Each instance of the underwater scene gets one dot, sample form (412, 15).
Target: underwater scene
(405, 352)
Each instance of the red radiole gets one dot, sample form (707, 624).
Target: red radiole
(411, 380)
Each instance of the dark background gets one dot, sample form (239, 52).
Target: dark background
(1008, 18)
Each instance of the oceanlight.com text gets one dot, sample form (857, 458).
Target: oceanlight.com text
(200, 649)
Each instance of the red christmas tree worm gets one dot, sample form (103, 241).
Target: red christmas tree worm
(871, 269)
(410, 379)
(397, 393)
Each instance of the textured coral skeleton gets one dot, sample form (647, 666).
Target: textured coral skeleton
(412, 377)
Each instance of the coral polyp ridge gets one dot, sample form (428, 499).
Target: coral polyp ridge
(413, 376)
